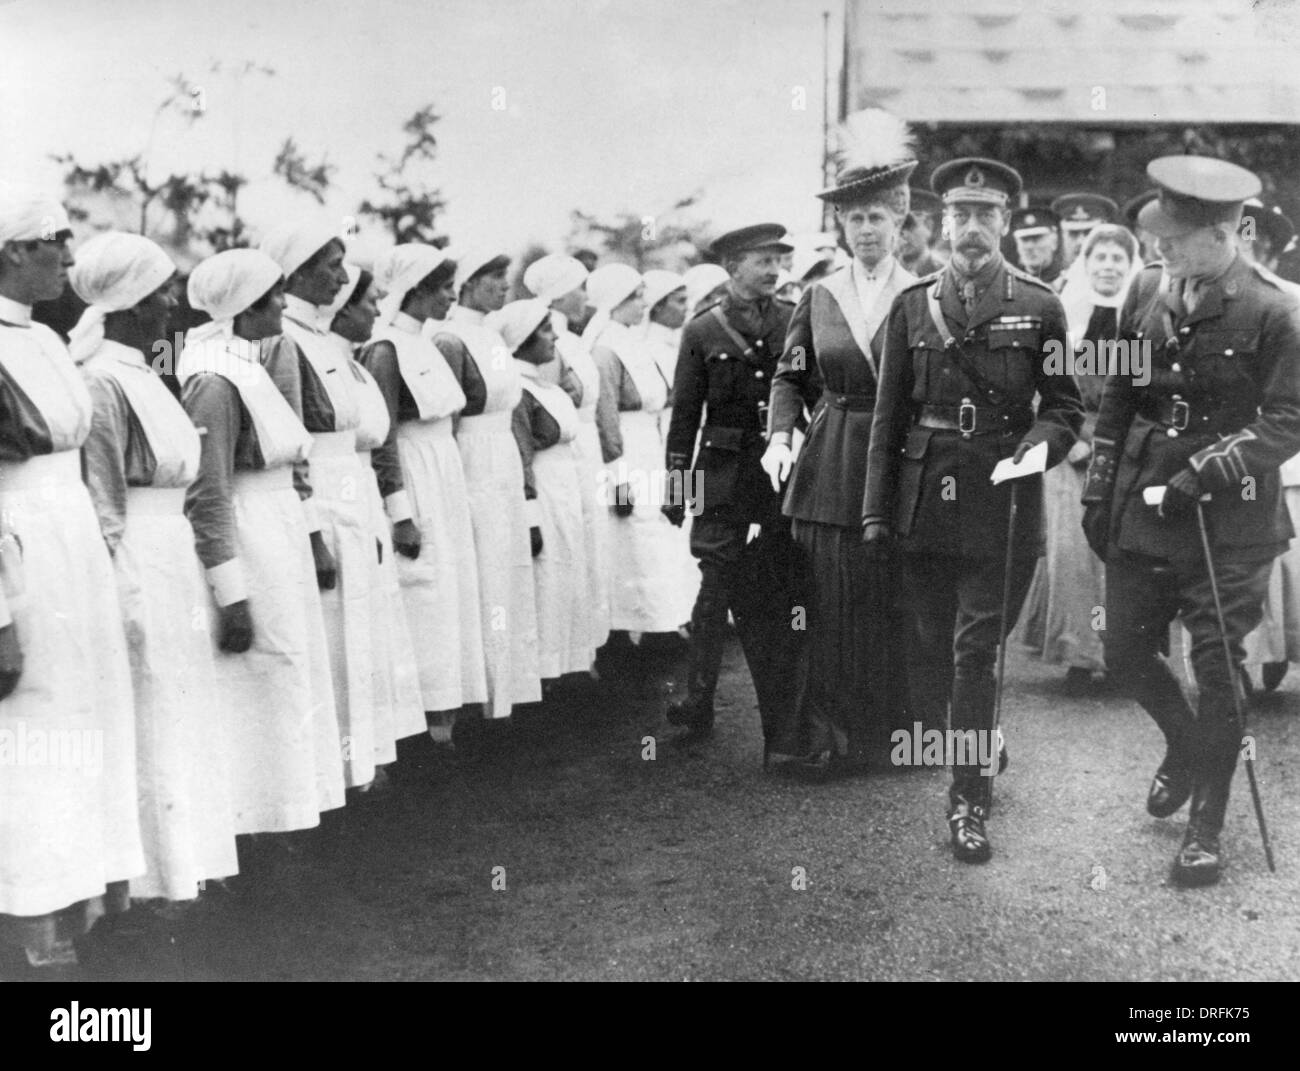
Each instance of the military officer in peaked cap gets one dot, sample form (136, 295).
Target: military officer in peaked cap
(1036, 231)
(962, 362)
(1220, 413)
(920, 231)
(728, 355)
(1080, 214)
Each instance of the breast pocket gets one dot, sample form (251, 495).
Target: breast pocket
(723, 370)
(1225, 362)
(927, 369)
(1015, 355)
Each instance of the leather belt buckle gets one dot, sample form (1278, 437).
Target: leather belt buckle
(1179, 417)
(966, 418)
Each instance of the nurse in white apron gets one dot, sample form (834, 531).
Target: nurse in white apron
(142, 452)
(561, 281)
(311, 258)
(69, 828)
(424, 485)
(545, 427)
(665, 300)
(251, 531)
(494, 477)
(648, 594)
(399, 709)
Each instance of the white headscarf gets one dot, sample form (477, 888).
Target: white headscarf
(401, 270)
(28, 214)
(701, 280)
(607, 288)
(1077, 295)
(518, 320)
(114, 271)
(658, 285)
(554, 275)
(473, 261)
(225, 285)
(292, 245)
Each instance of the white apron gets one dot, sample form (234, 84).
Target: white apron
(586, 449)
(182, 731)
(440, 588)
(664, 344)
(68, 814)
(560, 570)
(494, 478)
(338, 496)
(648, 592)
(399, 711)
(286, 761)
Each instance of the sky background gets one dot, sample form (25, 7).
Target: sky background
(610, 105)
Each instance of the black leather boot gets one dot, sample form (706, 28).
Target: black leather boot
(971, 793)
(1200, 859)
(708, 635)
(1149, 681)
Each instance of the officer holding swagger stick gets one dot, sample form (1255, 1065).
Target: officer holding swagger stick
(963, 359)
(1220, 413)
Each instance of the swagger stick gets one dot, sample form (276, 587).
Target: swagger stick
(1002, 641)
(1238, 701)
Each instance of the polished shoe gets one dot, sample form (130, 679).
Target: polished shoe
(1170, 789)
(1199, 860)
(694, 713)
(970, 842)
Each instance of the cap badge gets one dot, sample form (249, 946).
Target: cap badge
(975, 177)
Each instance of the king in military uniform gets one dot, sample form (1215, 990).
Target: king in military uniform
(962, 362)
(725, 364)
(1219, 414)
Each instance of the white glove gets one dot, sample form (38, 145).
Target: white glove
(1079, 452)
(776, 462)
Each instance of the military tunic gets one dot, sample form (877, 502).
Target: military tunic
(937, 433)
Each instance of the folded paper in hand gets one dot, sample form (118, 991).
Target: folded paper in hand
(1034, 461)
(1155, 496)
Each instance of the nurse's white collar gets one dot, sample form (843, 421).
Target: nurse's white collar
(15, 313)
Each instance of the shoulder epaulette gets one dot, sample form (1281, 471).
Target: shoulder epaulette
(924, 280)
(1025, 277)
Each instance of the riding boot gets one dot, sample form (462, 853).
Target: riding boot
(704, 662)
(971, 792)
(1150, 682)
(1216, 743)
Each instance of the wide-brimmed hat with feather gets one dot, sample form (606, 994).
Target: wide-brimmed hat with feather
(874, 158)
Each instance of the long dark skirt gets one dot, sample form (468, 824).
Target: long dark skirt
(853, 691)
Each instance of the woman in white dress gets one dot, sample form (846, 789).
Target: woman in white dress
(251, 531)
(494, 477)
(545, 426)
(69, 825)
(562, 282)
(665, 299)
(310, 255)
(141, 454)
(399, 708)
(647, 593)
(423, 483)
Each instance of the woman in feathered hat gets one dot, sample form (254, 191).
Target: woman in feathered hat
(853, 691)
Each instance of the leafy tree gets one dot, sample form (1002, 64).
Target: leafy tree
(411, 204)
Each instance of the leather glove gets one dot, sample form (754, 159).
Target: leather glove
(1096, 527)
(675, 512)
(535, 537)
(11, 660)
(1079, 453)
(777, 461)
(1181, 494)
(623, 503)
(327, 570)
(406, 538)
(877, 539)
(236, 628)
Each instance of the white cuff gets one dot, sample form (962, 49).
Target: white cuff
(227, 582)
(310, 516)
(398, 506)
(533, 512)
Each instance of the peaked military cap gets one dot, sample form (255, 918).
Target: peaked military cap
(1083, 211)
(748, 239)
(972, 178)
(1195, 191)
(1135, 205)
(1034, 220)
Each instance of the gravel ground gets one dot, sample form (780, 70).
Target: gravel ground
(683, 867)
